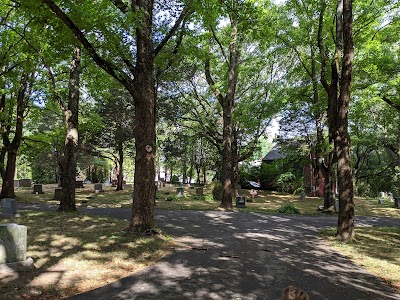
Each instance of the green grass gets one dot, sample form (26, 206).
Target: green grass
(377, 249)
(265, 202)
(77, 252)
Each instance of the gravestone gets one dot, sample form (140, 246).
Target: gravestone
(25, 182)
(12, 243)
(390, 196)
(240, 201)
(381, 201)
(98, 188)
(199, 191)
(302, 196)
(58, 194)
(16, 184)
(179, 191)
(8, 207)
(37, 189)
(78, 183)
(396, 202)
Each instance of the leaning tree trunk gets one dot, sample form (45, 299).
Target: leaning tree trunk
(345, 230)
(71, 139)
(145, 129)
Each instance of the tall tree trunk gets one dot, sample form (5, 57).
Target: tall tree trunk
(227, 104)
(342, 140)
(72, 136)
(120, 176)
(7, 189)
(145, 133)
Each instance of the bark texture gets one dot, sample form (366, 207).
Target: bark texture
(69, 160)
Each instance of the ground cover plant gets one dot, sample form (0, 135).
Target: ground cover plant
(75, 252)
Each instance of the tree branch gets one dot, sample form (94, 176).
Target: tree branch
(391, 103)
(172, 31)
(107, 66)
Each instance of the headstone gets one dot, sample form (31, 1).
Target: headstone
(16, 184)
(337, 205)
(37, 189)
(58, 194)
(179, 191)
(382, 195)
(78, 183)
(396, 202)
(381, 201)
(8, 207)
(25, 182)
(240, 202)
(98, 188)
(390, 196)
(199, 191)
(302, 196)
(12, 243)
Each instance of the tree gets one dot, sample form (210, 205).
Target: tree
(137, 77)
(17, 77)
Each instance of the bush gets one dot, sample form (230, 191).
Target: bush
(217, 191)
(289, 209)
(174, 179)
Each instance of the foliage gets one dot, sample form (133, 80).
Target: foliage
(217, 191)
(289, 209)
(174, 179)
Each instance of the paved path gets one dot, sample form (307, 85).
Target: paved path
(233, 255)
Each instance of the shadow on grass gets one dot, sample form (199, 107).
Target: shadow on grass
(77, 252)
(230, 255)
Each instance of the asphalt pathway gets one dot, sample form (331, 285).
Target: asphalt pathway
(235, 255)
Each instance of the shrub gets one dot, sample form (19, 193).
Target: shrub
(217, 191)
(289, 209)
(174, 179)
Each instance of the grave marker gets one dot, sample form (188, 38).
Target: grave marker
(8, 207)
(12, 243)
(37, 189)
(25, 182)
(240, 202)
(98, 188)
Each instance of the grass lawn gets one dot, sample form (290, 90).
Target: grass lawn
(376, 249)
(265, 202)
(75, 252)
(78, 252)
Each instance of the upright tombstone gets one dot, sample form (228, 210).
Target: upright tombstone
(78, 183)
(37, 189)
(98, 188)
(25, 182)
(240, 202)
(397, 202)
(199, 191)
(16, 184)
(58, 194)
(12, 243)
(179, 191)
(302, 196)
(8, 207)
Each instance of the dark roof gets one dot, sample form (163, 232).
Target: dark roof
(273, 155)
